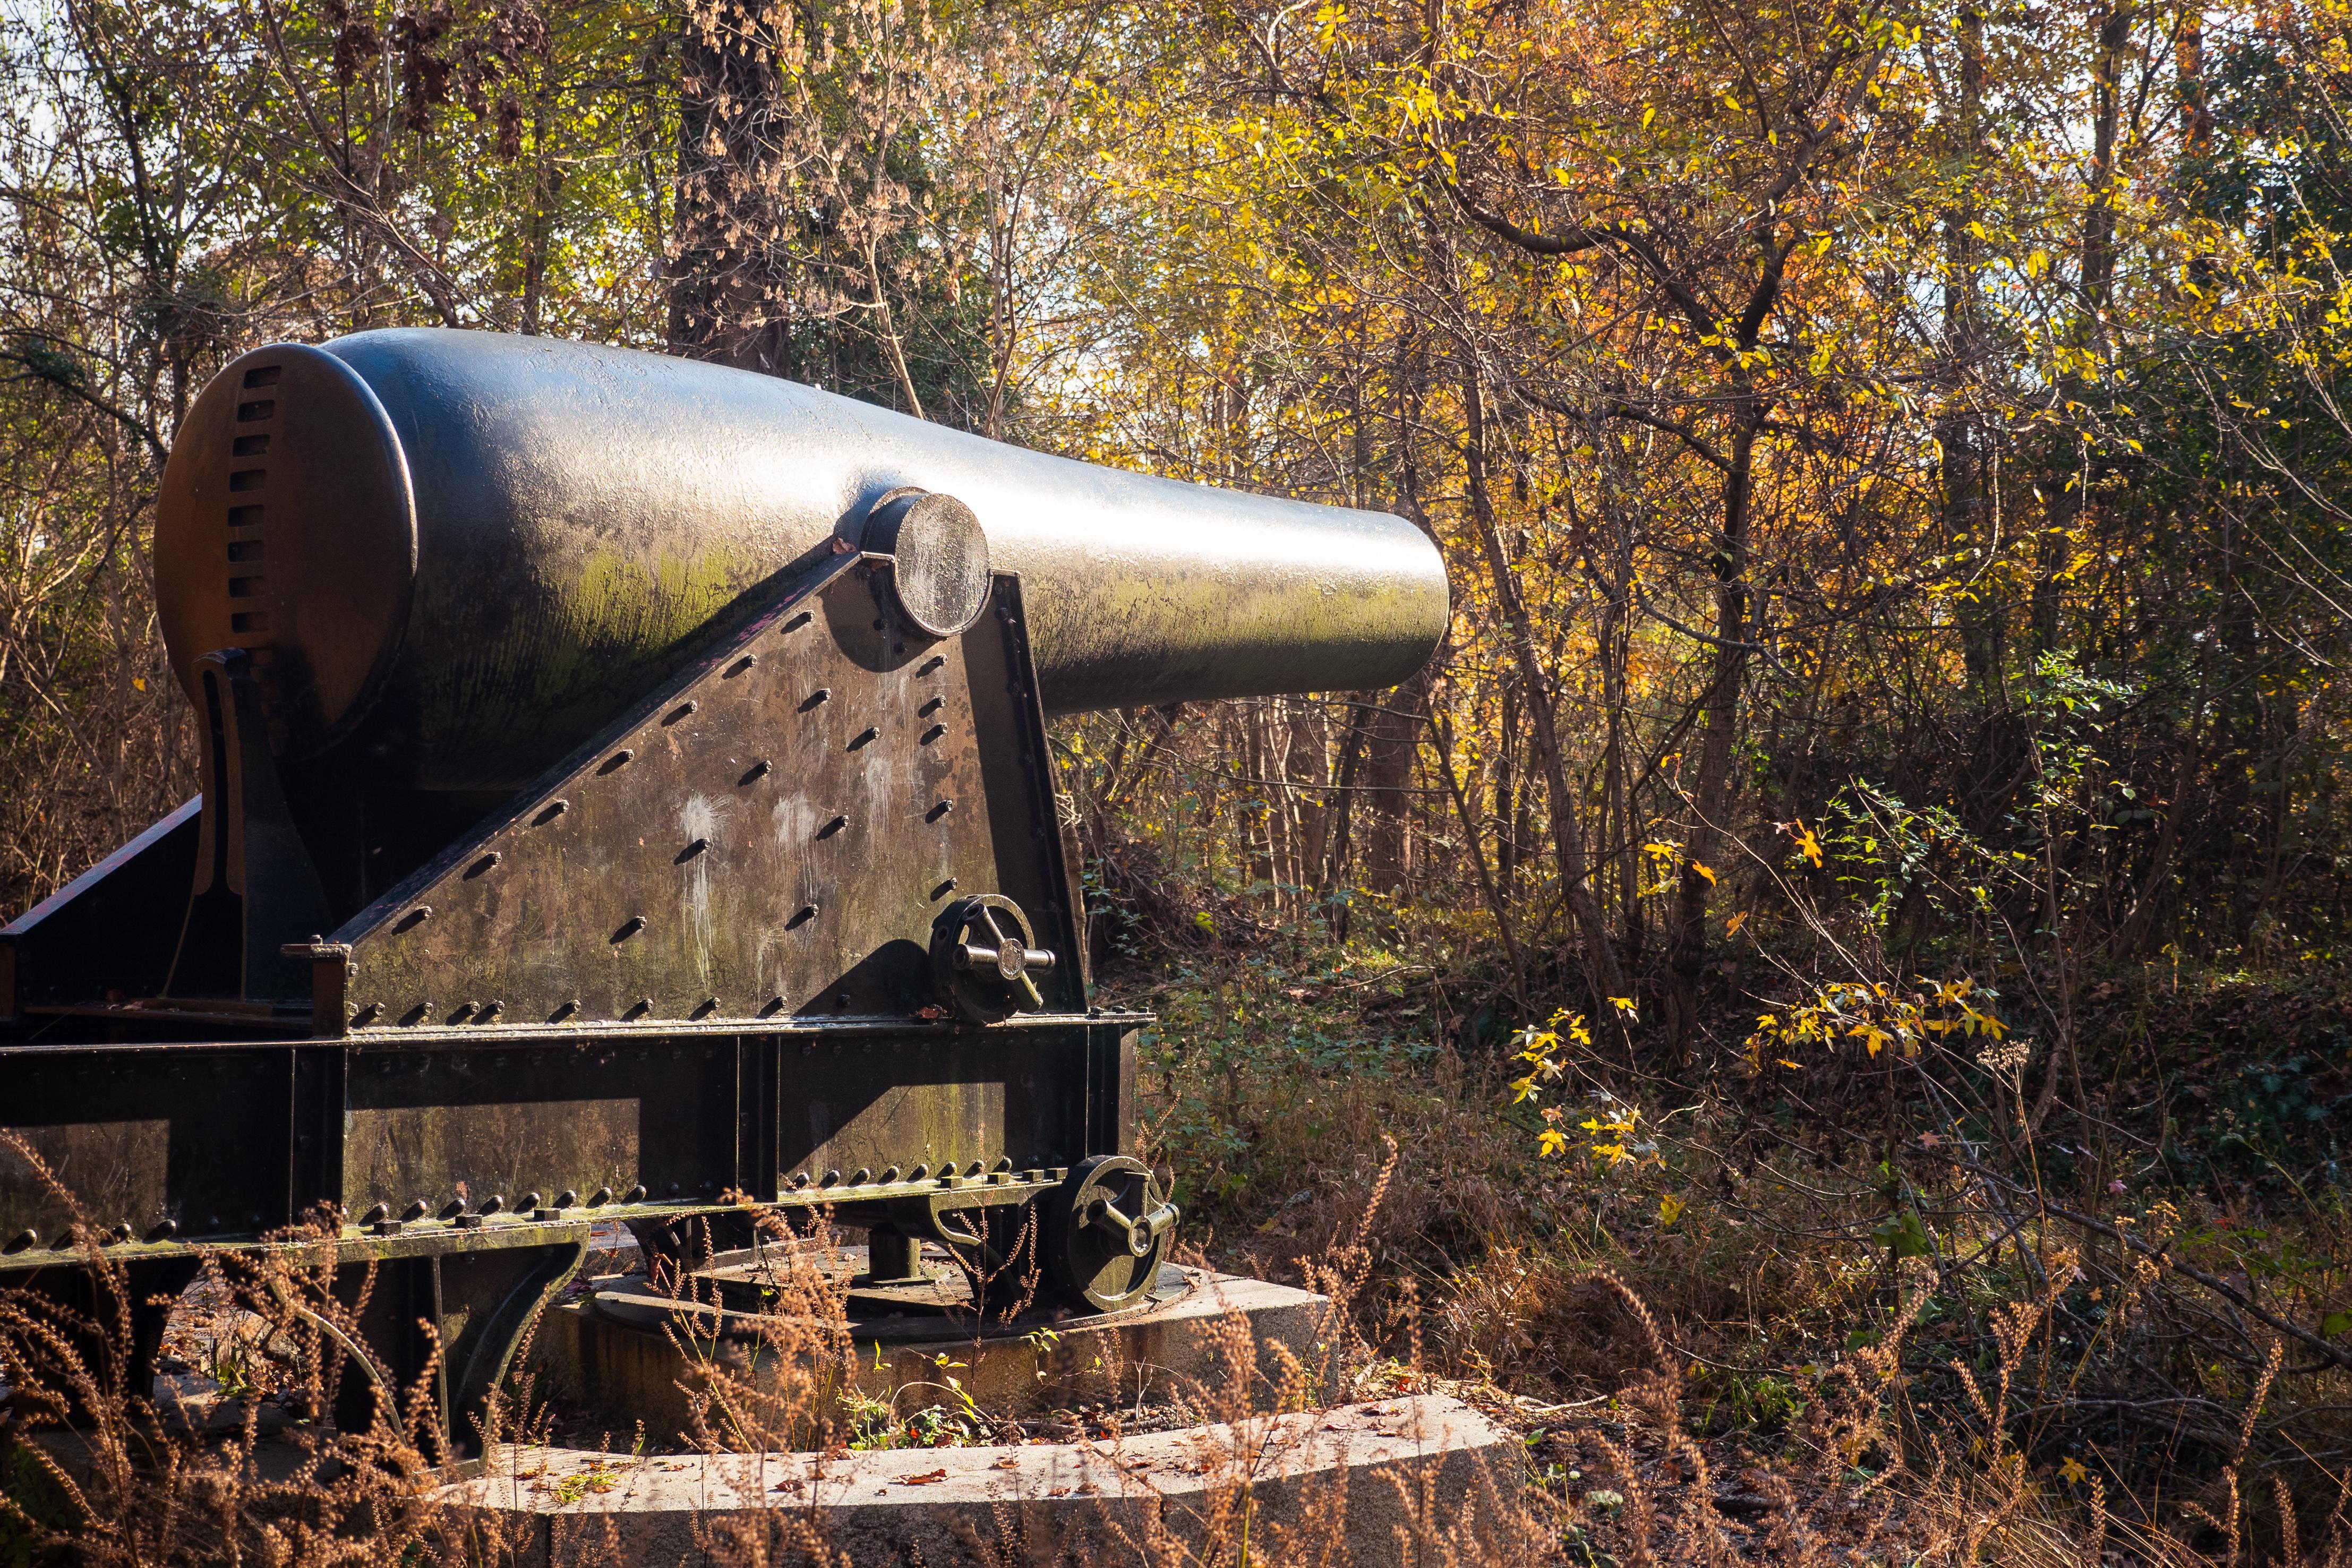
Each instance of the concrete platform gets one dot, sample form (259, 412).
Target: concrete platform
(1383, 1482)
(629, 1371)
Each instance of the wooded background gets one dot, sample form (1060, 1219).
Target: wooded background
(1890, 462)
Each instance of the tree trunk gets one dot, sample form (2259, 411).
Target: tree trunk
(1392, 739)
(1602, 970)
(715, 275)
(1710, 796)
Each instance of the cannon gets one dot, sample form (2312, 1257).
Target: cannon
(626, 796)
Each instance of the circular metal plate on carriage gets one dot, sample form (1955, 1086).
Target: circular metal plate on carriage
(939, 558)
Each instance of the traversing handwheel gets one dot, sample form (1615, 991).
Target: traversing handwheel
(1106, 1230)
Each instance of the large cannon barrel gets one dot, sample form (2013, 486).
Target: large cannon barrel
(453, 554)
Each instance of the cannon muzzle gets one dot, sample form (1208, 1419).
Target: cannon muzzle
(455, 554)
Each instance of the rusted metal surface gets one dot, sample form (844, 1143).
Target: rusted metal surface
(190, 1144)
(471, 544)
(477, 1300)
(113, 927)
(774, 830)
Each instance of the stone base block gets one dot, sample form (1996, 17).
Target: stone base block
(1367, 1485)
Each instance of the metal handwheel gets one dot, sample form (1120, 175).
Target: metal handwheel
(1107, 1230)
(985, 959)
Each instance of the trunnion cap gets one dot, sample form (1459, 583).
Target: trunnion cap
(287, 527)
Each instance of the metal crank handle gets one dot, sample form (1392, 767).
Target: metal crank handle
(1013, 964)
(1140, 1235)
(1034, 960)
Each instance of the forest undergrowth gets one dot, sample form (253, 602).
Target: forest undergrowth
(2112, 1331)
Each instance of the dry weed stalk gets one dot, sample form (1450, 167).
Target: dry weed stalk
(107, 1474)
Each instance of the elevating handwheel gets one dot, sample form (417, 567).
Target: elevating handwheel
(1106, 1231)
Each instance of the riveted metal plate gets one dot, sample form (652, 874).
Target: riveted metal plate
(773, 832)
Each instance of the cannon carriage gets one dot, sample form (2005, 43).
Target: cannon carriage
(627, 795)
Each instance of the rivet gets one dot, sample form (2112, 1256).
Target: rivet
(414, 1015)
(691, 850)
(376, 1215)
(639, 1009)
(758, 769)
(861, 1178)
(164, 1231)
(553, 809)
(600, 1198)
(617, 761)
(485, 863)
(889, 1174)
(741, 664)
(417, 1210)
(930, 707)
(683, 710)
(920, 1172)
(802, 916)
(629, 927)
(865, 737)
(944, 889)
(817, 698)
(797, 622)
(490, 1009)
(933, 732)
(830, 1178)
(415, 918)
(832, 826)
(634, 1195)
(933, 662)
(941, 809)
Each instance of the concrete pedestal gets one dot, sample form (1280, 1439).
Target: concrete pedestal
(1208, 1331)
(1384, 1483)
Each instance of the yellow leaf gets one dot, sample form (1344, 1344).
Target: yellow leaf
(1669, 1208)
(1552, 1141)
(1623, 1004)
(1731, 927)
(1787, 1064)
(2071, 1469)
(1702, 872)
